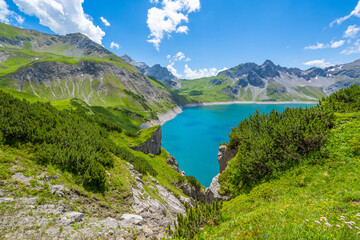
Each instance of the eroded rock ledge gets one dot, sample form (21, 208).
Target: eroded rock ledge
(153, 145)
(224, 156)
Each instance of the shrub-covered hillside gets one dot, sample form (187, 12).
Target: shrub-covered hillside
(295, 176)
(71, 174)
(77, 140)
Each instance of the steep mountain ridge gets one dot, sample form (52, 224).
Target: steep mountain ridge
(60, 68)
(156, 71)
(70, 45)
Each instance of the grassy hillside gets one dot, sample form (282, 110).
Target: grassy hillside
(220, 89)
(54, 68)
(302, 186)
(77, 140)
(316, 200)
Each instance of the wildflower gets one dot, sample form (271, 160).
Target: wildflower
(317, 222)
(306, 220)
(264, 235)
(282, 210)
(357, 228)
(350, 223)
(328, 224)
(338, 226)
(160, 227)
(342, 217)
(324, 218)
(164, 233)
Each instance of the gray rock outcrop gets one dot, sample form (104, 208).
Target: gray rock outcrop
(191, 191)
(130, 220)
(212, 192)
(174, 164)
(153, 145)
(156, 214)
(224, 156)
(71, 217)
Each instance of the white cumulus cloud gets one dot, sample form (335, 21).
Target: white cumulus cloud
(333, 44)
(351, 31)
(355, 12)
(171, 68)
(169, 18)
(317, 46)
(6, 15)
(188, 72)
(337, 44)
(105, 21)
(62, 16)
(182, 29)
(200, 73)
(114, 45)
(318, 63)
(179, 57)
(353, 49)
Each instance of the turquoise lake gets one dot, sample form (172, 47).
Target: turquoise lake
(193, 137)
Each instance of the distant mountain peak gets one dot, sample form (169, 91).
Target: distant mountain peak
(157, 71)
(268, 63)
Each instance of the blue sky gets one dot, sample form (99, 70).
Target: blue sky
(200, 37)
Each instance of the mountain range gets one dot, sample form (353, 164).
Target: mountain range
(270, 82)
(60, 68)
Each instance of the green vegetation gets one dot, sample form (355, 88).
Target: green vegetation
(187, 226)
(108, 95)
(73, 140)
(80, 142)
(311, 190)
(271, 143)
(205, 90)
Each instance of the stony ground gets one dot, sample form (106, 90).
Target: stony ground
(33, 207)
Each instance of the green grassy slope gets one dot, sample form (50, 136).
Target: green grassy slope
(296, 204)
(108, 95)
(297, 181)
(106, 148)
(216, 89)
(202, 90)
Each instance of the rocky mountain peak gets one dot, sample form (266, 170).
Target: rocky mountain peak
(268, 63)
(157, 71)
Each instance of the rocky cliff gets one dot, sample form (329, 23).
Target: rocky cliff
(224, 156)
(152, 145)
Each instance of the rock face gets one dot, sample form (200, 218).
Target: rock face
(224, 156)
(59, 81)
(153, 214)
(153, 145)
(174, 164)
(191, 191)
(212, 192)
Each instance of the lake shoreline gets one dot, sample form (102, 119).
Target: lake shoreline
(190, 105)
(172, 113)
